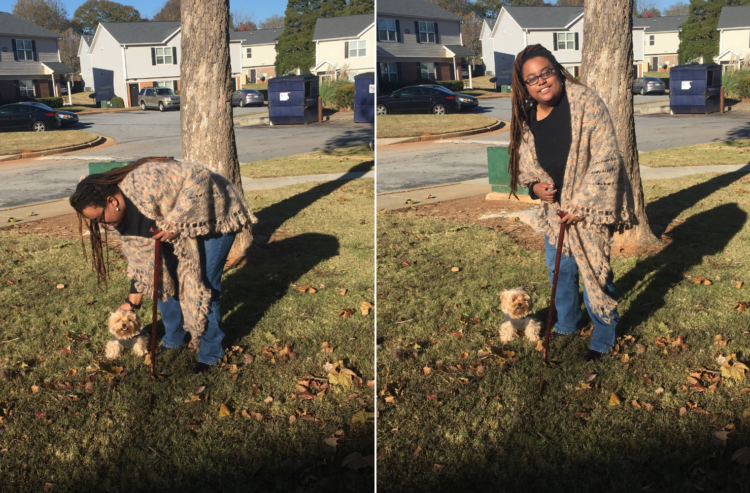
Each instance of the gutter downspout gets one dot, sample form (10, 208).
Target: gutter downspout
(125, 78)
(471, 65)
(525, 38)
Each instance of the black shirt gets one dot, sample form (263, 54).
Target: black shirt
(135, 224)
(552, 140)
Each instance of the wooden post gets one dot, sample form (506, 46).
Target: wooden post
(721, 100)
(320, 109)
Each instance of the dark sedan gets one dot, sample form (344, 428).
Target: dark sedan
(464, 100)
(247, 97)
(66, 118)
(418, 99)
(648, 85)
(16, 117)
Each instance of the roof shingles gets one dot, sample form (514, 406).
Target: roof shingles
(348, 26)
(544, 17)
(734, 17)
(15, 26)
(141, 32)
(660, 24)
(414, 8)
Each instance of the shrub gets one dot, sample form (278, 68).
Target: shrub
(743, 88)
(328, 90)
(117, 102)
(343, 97)
(453, 85)
(51, 102)
(731, 82)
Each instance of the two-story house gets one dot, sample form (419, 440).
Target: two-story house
(559, 29)
(661, 41)
(30, 63)
(258, 53)
(418, 40)
(344, 46)
(488, 45)
(734, 37)
(87, 74)
(128, 56)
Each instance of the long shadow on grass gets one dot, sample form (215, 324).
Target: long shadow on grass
(361, 134)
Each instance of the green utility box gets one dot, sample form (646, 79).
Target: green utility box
(95, 168)
(504, 88)
(106, 104)
(497, 163)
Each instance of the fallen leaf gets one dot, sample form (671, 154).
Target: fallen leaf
(590, 377)
(614, 400)
(346, 312)
(426, 370)
(224, 411)
(454, 269)
(147, 359)
(390, 399)
(683, 411)
(658, 391)
(268, 400)
(292, 419)
(416, 452)
(356, 461)
(362, 417)
(539, 345)
(329, 444)
(34, 389)
(742, 456)
(739, 285)
(307, 289)
(583, 386)
(343, 292)
(437, 467)
(249, 358)
(61, 286)
(365, 307)
(741, 306)
(193, 398)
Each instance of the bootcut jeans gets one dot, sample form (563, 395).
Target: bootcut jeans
(569, 307)
(214, 250)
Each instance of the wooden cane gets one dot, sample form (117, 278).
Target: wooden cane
(560, 238)
(157, 265)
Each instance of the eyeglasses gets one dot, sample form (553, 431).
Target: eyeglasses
(544, 74)
(101, 221)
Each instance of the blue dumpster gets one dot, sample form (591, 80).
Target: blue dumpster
(364, 98)
(293, 99)
(695, 88)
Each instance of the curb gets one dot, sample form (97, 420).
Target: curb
(251, 121)
(425, 138)
(60, 150)
(650, 110)
(95, 112)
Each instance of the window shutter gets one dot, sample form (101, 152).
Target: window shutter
(575, 71)
(437, 34)
(346, 49)
(554, 41)
(153, 56)
(174, 55)
(15, 53)
(398, 32)
(576, 41)
(398, 72)
(416, 29)
(33, 49)
(175, 84)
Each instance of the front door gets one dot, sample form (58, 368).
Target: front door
(133, 94)
(252, 76)
(654, 63)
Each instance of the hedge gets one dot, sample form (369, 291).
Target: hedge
(389, 87)
(343, 97)
(51, 102)
(117, 102)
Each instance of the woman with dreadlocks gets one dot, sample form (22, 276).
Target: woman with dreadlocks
(563, 147)
(196, 214)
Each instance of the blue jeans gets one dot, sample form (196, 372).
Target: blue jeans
(214, 250)
(569, 308)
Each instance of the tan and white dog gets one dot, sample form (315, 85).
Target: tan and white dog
(125, 327)
(518, 306)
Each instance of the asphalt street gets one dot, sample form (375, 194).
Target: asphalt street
(407, 166)
(140, 134)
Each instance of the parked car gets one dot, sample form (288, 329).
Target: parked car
(648, 85)
(464, 73)
(163, 98)
(18, 116)
(464, 100)
(66, 118)
(247, 97)
(417, 99)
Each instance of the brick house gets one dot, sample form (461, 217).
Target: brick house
(661, 41)
(418, 40)
(258, 53)
(30, 64)
(343, 45)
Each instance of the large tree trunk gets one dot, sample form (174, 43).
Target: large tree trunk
(206, 87)
(607, 63)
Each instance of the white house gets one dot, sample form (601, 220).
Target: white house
(128, 56)
(661, 42)
(734, 37)
(344, 45)
(87, 73)
(258, 53)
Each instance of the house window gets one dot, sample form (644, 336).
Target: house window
(566, 41)
(164, 56)
(24, 49)
(248, 52)
(26, 87)
(389, 72)
(426, 32)
(387, 29)
(165, 83)
(651, 40)
(357, 48)
(427, 70)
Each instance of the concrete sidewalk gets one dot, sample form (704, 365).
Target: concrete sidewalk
(53, 208)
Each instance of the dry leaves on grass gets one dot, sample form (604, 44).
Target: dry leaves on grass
(346, 312)
(614, 400)
(366, 307)
(279, 355)
(742, 456)
(363, 417)
(307, 289)
(734, 370)
(224, 411)
(741, 306)
(356, 461)
(342, 377)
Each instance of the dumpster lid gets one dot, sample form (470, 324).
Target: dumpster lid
(366, 75)
(696, 66)
(286, 78)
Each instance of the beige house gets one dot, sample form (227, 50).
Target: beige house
(344, 46)
(734, 37)
(258, 53)
(661, 41)
(125, 57)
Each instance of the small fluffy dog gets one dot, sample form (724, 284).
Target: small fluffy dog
(125, 327)
(517, 306)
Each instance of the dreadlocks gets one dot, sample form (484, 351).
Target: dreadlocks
(521, 102)
(93, 191)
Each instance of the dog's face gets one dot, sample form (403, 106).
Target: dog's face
(124, 324)
(516, 302)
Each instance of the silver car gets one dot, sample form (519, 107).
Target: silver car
(163, 98)
(648, 85)
(247, 97)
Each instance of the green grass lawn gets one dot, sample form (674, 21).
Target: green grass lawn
(459, 411)
(19, 142)
(417, 125)
(259, 85)
(312, 163)
(71, 422)
(726, 152)
(483, 82)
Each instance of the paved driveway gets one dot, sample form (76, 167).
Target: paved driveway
(151, 133)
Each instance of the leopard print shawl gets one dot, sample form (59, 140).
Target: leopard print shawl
(596, 188)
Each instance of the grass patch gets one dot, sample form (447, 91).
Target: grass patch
(483, 82)
(20, 142)
(519, 426)
(81, 432)
(259, 86)
(726, 152)
(312, 163)
(416, 125)
(82, 99)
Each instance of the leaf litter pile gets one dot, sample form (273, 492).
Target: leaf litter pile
(667, 410)
(288, 408)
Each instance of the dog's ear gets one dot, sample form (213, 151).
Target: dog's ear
(526, 297)
(503, 295)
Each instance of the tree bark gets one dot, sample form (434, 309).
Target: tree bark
(206, 88)
(607, 63)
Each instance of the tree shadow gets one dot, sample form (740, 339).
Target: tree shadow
(359, 135)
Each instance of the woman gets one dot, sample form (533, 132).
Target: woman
(196, 214)
(564, 149)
